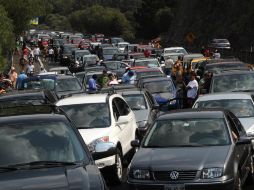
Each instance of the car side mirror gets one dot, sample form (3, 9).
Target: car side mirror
(243, 141)
(122, 120)
(135, 143)
(103, 150)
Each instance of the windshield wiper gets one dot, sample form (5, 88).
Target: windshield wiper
(7, 169)
(42, 164)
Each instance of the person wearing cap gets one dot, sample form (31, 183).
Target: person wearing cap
(13, 75)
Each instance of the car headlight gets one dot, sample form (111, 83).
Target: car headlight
(141, 174)
(210, 173)
(65, 57)
(91, 146)
(141, 124)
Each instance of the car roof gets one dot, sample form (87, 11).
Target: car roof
(8, 119)
(233, 73)
(170, 48)
(142, 70)
(226, 96)
(28, 94)
(83, 99)
(193, 113)
(155, 79)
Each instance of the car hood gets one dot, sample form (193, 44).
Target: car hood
(59, 178)
(141, 115)
(247, 122)
(189, 158)
(90, 135)
(163, 97)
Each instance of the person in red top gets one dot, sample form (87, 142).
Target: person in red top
(26, 52)
(147, 53)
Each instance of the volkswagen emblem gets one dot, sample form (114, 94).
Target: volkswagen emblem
(174, 175)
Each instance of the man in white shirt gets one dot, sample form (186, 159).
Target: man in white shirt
(168, 65)
(51, 54)
(36, 52)
(192, 89)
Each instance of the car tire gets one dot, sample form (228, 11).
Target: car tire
(115, 175)
(238, 182)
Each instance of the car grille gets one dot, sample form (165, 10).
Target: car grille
(183, 175)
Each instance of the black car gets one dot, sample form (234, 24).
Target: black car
(43, 150)
(193, 149)
(66, 54)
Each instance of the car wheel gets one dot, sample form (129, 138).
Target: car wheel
(116, 174)
(238, 183)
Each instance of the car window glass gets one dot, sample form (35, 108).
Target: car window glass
(188, 132)
(234, 130)
(122, 107)
(91, 115)
(115, 111)
(39, 141)
(112, 66)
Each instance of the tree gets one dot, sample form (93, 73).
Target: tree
(97, 19)
(6, 36)
(21, 12)
(162, 19)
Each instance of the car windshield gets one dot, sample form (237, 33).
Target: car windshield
(68, 84)
(39, 141)
(48, 84)
(230, 83)
(136, 101)
(159, 86)
(147, 63)
(85, 116)
(188, 132)
(122, 45)
(81, 53)
(183, 51)
(240, 107)
(109, 51)
(68, 49)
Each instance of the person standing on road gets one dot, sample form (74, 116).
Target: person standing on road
(169, 63)
(192, 89)
(51, 54)
(20, 81)
(103, 80)
(30, 69)
(13, 75)
(92, 84)
(128, 78)
(36, 53)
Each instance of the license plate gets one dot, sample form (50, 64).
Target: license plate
(174, 187)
